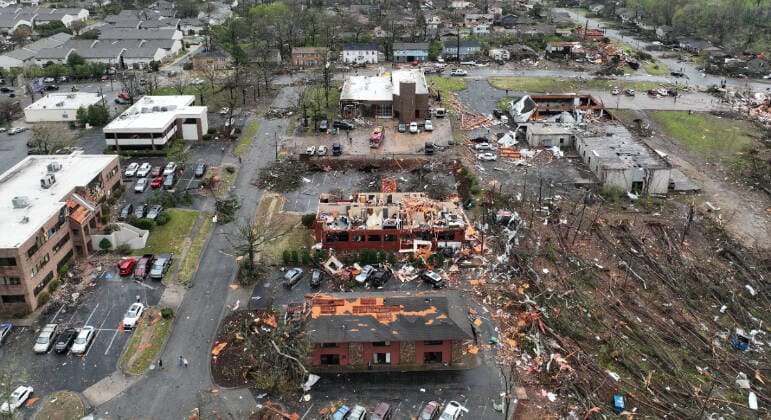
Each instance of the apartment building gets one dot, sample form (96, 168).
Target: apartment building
(50, 205)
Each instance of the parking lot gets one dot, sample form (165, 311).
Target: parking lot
(102, 306)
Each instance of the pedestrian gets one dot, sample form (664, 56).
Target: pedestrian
(239, 160)
(223, 150)
(184, 361)
(181, 359)
(160, 364)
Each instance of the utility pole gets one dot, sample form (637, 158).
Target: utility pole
(275, 142)
(458, 44)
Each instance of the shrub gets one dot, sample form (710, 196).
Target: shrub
(611, 193)
(308, 220)
(167, 313)
(230, 168)
(305, 256)
(293, 258)
(162, 218)
(145, 224)
(112, 227)
(43, 298)
(123, 249)
(320, 255)
(54, 285)
(64, 270)
(105, 244)
(286, 256)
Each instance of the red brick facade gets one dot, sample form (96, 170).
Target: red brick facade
(388, 354)
(385, 239)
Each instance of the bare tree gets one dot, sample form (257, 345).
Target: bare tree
(49, 138)
(250, 239)
(76, 26)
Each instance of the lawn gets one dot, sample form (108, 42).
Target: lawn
(294, 235)
(171, 236)
(247, 136)
(146, 342)
(62, 405)
(446, 85)
(555, 85)
(706, 134)
(655, 68)
(189, 264)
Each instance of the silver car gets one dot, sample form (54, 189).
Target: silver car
(46, 338)
(141, 185)
(160, 266)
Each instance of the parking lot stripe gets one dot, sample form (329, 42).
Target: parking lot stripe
(56, 315)
(91, 314)
(111, 341)
(307, 411)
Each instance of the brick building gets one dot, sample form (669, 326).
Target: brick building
(390, 222)
(385, 331)
(50, 205)
(309, 56)
(403, 95)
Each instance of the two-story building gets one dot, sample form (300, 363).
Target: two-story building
(465, 48)
(309, 56)
(406, 52)
(154, 120)
(359, 54)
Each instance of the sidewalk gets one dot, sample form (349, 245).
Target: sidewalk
(106, 389)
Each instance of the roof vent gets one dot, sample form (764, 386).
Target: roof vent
(24, 220)
(156, 109)
(145, 110)
(47, 181)
(60, 104)
(54, 166)
(164, 109)
(20, 202)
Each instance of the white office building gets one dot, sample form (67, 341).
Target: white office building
(57, 107)
(154, 120)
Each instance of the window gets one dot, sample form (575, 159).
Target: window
(65, 259)
(433, 342)
(10, 281)
(42, 285)
(7, 262)
(432, 357)
(14, 299)
(328, 345)
(390, 237)
(358, 238)
(373, 238)
(61, 243)
(40, 264)
(381, 344)
(381, 358)
(330, 359)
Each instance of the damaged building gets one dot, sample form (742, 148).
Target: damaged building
(549, 135)
(404, 222)
(619, 160)
(402, 95)
(390, 331)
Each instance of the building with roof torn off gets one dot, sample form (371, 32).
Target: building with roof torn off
(404, 222)
(403, 95)
(619, 160)
(385, 331)
(50, 208)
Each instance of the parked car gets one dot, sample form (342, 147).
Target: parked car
(160, 266)
(337, 149)
(402, 127)
(51, 87)
(105, 78)
(63, 79)
(126, 211)
(358, 413)
(321, 150)
(452, 411)
(141, 185)
(6, 89)
(131, 169)
(413, 127)
(142, 267)
(5, 331)
(458, 72)
(154, 211)
(366, 271)
(483, 146)
(49, 80)
(140, 210)
(224, 110)
(323, 125)
(126, 266)
(83, 340)
(341, 412)
(132, 315)
(488, 156)
(677, 74)
(428, 126)
(156, 171)
(379, 278)
(200, 169)
(14, 131)
(292, 277)
(170, 168)
(440, 113)
(429, 411)
(18, 397)
(428, 148)
(144, 169)
(615, 91)
(343, 125)
(156, 183)
(316, 277)
(629, 92)
(382, 411)
(46, 338)
(432, 278)
(310, 151)
(64, 340)
(168, 181)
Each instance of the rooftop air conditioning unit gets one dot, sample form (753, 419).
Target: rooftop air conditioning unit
(20, 202)
(145, 110)
(164, 109)
(171, 107)
(47, 181)
(54, 166)
(156, 109)
(60, 104)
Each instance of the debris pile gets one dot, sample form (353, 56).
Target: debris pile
(281, 176)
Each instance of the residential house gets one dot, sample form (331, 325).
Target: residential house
(522, 52)
(213, 58)
(192, 26)
(664, 33)
(360, 54)
(389, 331)
(481, 29)
(24, 56)
(460, 4)
(473, 19)
(563, 48)
(693, 45)
(309, 56)
(410, 52)
(560, 18)
(11, 19)
(466, 49)
(758, 66)
(141, 57)
(66, 16)
(508, 21)
(499, 54)
(396, 222)
(536, 30)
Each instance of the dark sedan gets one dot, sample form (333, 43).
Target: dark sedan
(64, 340)
(126, 211)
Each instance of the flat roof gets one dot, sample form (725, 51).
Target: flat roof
(546, 129)
(413, 75)
(367, 88)
(72, 100)
(616, 148)
(154, 113)
(23, 180)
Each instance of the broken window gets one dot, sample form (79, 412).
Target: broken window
(330, 359)
(446, 236)
(373, 238)
(358, 238)
(342, 237)
(432, 357)
(389, 237)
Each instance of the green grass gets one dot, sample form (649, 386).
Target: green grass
(189, 265)
(171, 236)
(655, 68)
(62, 405)
(146, 342)
(247, 136)
(555, 85)
(706, 134)
(446, 85)
(171, 90)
